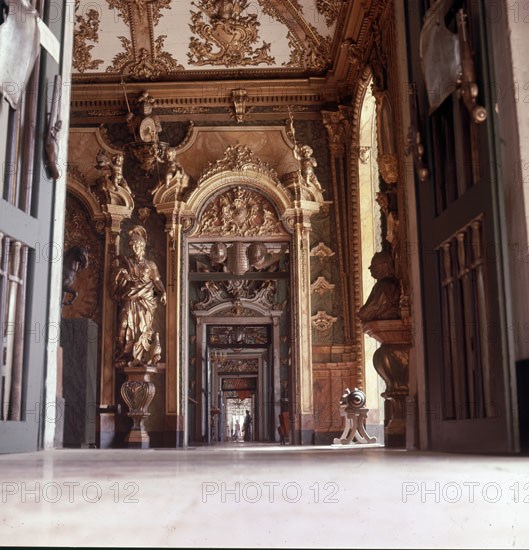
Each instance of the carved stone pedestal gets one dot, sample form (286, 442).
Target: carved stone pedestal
(138, 392)
(391, 363)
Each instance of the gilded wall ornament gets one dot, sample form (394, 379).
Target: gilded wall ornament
(229, 36)
(322, 251)
(239, 212)
(321, 286)
(322, 321)
(239, 103)
(86, 30)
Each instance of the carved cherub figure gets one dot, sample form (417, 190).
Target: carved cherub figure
(174, 173)
(303, 153)
(116, 176)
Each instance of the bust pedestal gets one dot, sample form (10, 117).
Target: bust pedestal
(138, 392)
(391, 362)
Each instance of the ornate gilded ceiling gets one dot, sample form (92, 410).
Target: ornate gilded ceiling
(210, 39)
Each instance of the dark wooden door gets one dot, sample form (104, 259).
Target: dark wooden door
(468, 370)
(27, 195)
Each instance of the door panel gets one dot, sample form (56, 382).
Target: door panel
(26, 218)
(466, 360)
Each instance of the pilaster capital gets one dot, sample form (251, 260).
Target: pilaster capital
(336, 131)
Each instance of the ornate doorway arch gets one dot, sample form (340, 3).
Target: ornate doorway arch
(238, 202)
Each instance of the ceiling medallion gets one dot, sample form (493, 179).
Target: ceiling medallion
(229, 32)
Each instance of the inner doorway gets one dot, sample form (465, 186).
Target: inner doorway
(240, 378)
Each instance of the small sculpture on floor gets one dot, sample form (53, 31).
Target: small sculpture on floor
(352, 408)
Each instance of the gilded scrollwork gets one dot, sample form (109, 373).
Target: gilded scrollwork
(237, 159)
(329, 9)
(145, 65)
(227, 36)
(240, 212)
(86, 30)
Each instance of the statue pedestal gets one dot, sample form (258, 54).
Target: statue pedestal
(391, 362)
(138, 392)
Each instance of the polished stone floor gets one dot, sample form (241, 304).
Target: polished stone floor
(264, 496)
